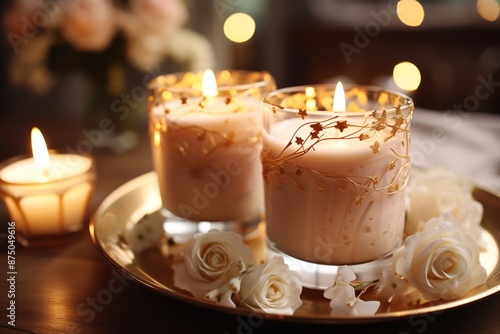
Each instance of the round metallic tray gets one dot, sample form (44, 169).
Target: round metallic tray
(152, 268)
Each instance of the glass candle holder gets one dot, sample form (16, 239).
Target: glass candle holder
(206, 143)
(47, 207)
(335, 181)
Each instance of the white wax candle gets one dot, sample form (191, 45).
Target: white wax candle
(50, 201)
(61, 166)
(312, 210)
(207, 158)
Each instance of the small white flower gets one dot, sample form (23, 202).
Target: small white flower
(436, 191)
(347, 304)
(441, 262)
(344, 302)
(209, 264)
(390, 286)
(271, 287)
(145, 234)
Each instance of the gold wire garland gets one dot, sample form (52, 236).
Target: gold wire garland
(283, 165)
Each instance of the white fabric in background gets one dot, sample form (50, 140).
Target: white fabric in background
(465, 142)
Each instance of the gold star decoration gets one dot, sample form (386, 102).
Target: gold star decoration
(302, 113)
(375, 180)
(317, 126)
(341, 125)
(359, 199)
(381, 122)
(364, 136)
(392, 165)
(299, 140)
(375, 147)
(398, 110)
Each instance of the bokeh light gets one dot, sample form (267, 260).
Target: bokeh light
(239, 27)
(406, 76)
(488, 9)
(410, 12)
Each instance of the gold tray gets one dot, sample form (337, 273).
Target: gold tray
(152, 268)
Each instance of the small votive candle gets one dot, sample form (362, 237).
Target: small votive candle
(47, 195)
(335, 166)
(205, 133)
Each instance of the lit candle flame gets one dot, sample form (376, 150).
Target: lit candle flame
(339, 98)
(209, 84)
(39, 148)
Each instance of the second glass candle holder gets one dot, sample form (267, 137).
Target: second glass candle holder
(205, 131)
(335, 165)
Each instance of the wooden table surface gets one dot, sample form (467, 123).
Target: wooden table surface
(73, 289)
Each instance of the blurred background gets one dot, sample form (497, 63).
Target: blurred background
(451, 43)
(69, 64)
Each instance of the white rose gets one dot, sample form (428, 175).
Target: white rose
(210, 261)
(89, 25)
(441, 261)
(435, 191)
(271, 287)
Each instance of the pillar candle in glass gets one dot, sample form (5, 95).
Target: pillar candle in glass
(335, 170)
(205, 133)
(47, 195)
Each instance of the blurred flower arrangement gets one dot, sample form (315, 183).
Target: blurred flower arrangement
(439, 260)
(103, 40)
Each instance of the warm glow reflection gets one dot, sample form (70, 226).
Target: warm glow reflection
(156, 138)
(488, 9)
(407, 76)
(310, 98)
(39, 148)
(239, 27)
(209, 84)
(410, 12)
(339, 98)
